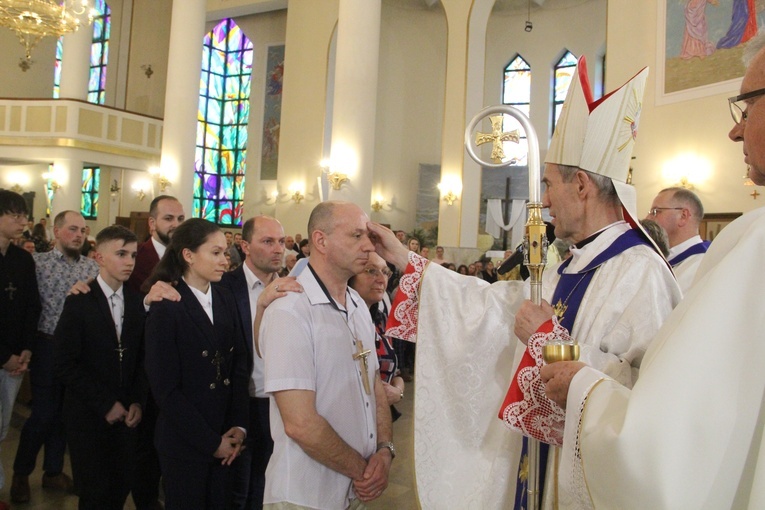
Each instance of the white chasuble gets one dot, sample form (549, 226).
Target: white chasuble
(690, 432)
(465, 457)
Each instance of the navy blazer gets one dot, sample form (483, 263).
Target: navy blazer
(236, 282)
(197, 404)
(86, 358)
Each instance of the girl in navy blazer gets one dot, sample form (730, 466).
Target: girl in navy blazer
(196, 361)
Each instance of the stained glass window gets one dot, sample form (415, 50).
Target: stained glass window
(516, 92)
(99, 52)
(564, 70)
(57, 68)
(99, 55)
(91, 178)
(224, 109)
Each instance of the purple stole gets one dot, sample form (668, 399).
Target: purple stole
(696, 249)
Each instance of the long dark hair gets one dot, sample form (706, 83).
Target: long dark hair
(191, 234)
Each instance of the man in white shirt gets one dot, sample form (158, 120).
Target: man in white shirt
(679, 211)
(330, 418)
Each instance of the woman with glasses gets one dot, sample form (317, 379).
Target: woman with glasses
(371, 284)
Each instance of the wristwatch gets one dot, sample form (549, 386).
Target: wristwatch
(389, 446)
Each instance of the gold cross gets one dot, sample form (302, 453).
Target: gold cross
(10, 289)
(496, 138)
(361, 356)
(217, 361)
(560, 309)
(753, 194)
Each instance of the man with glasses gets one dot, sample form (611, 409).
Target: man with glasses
(690, 432)
(679, 212)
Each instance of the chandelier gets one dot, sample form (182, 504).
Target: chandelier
(34, 19)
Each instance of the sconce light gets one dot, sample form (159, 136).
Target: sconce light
(298, 196)
(147, 70)
(685, 183)
(336, 179)
(16, 188)
(162, 181)
(272, 198)
(114, 189)
(378, 203)
(450, 191)
(140, 188)
(54, 185)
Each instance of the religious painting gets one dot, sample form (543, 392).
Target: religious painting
(700, 44)
(272, 112)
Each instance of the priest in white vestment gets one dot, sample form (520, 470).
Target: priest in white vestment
(679, 211)
(689, 434)
(467, 353)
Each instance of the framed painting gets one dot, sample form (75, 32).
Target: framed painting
(713, 223)
(700, 44)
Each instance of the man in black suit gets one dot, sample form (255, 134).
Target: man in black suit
(255, 285)
(99, 360)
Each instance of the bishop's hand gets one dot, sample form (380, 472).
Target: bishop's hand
(388, 246)
(530, 317)
(557, 379)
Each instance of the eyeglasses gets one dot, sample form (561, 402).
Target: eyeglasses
(656, 210)
(374, 273)
(738, 104)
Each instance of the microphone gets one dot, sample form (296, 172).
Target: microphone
(517, 256)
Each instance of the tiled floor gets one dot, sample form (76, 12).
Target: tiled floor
(400, 494)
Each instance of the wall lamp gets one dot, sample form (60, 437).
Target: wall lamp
(162, 181)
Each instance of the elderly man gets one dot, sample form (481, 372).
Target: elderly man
(679, 211)
(330, 418)
(255, 284)
(612, 296)
(689, 434)
(57, 270)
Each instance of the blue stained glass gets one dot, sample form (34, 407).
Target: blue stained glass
(211, 138)
(216, 86)
(247, 60)
(195, 207)
(239, 187)
(211, 161)
(226, 208)
(108, 27)
(57, 68)
(99, 53)
(197, 184)
(217, 61)
(91, 178)
(242, 137)
(227, 162)
(230, 112)
(209, 207)
(210, 186)
(564, 71)
(233, 63)
(232, 88)
(214, 113)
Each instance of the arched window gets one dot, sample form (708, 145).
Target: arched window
(99, 55)
(224, 109)
(564, 70)
(516, 92)
(99, 52)
(91, 179)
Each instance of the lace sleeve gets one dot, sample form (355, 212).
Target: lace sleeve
(402, 320)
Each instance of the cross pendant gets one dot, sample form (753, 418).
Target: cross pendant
(10, 289)
(217, 361)
(496, 138)
(362, 355)
(120, 352)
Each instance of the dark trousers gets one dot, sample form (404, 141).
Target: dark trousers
(145, 487)
(191, 485)
(103, 459)
(247, 479)
(45, 425)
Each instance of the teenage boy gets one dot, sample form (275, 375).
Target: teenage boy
(99, 359)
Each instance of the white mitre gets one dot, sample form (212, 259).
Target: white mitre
(598, 136)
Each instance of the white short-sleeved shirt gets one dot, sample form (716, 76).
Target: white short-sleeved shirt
(307, 345)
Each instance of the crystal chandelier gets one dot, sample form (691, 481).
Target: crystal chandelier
(34, 19)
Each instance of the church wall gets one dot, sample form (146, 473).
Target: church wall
(149, 45)
(410, 107)
(696, 128)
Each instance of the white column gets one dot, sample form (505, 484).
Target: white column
(355, 99)
(67, 173)
(75, 63)
(181, 101)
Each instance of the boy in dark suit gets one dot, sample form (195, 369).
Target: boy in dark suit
(99, 359)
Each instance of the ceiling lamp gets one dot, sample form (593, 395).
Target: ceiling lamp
(34, 19)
